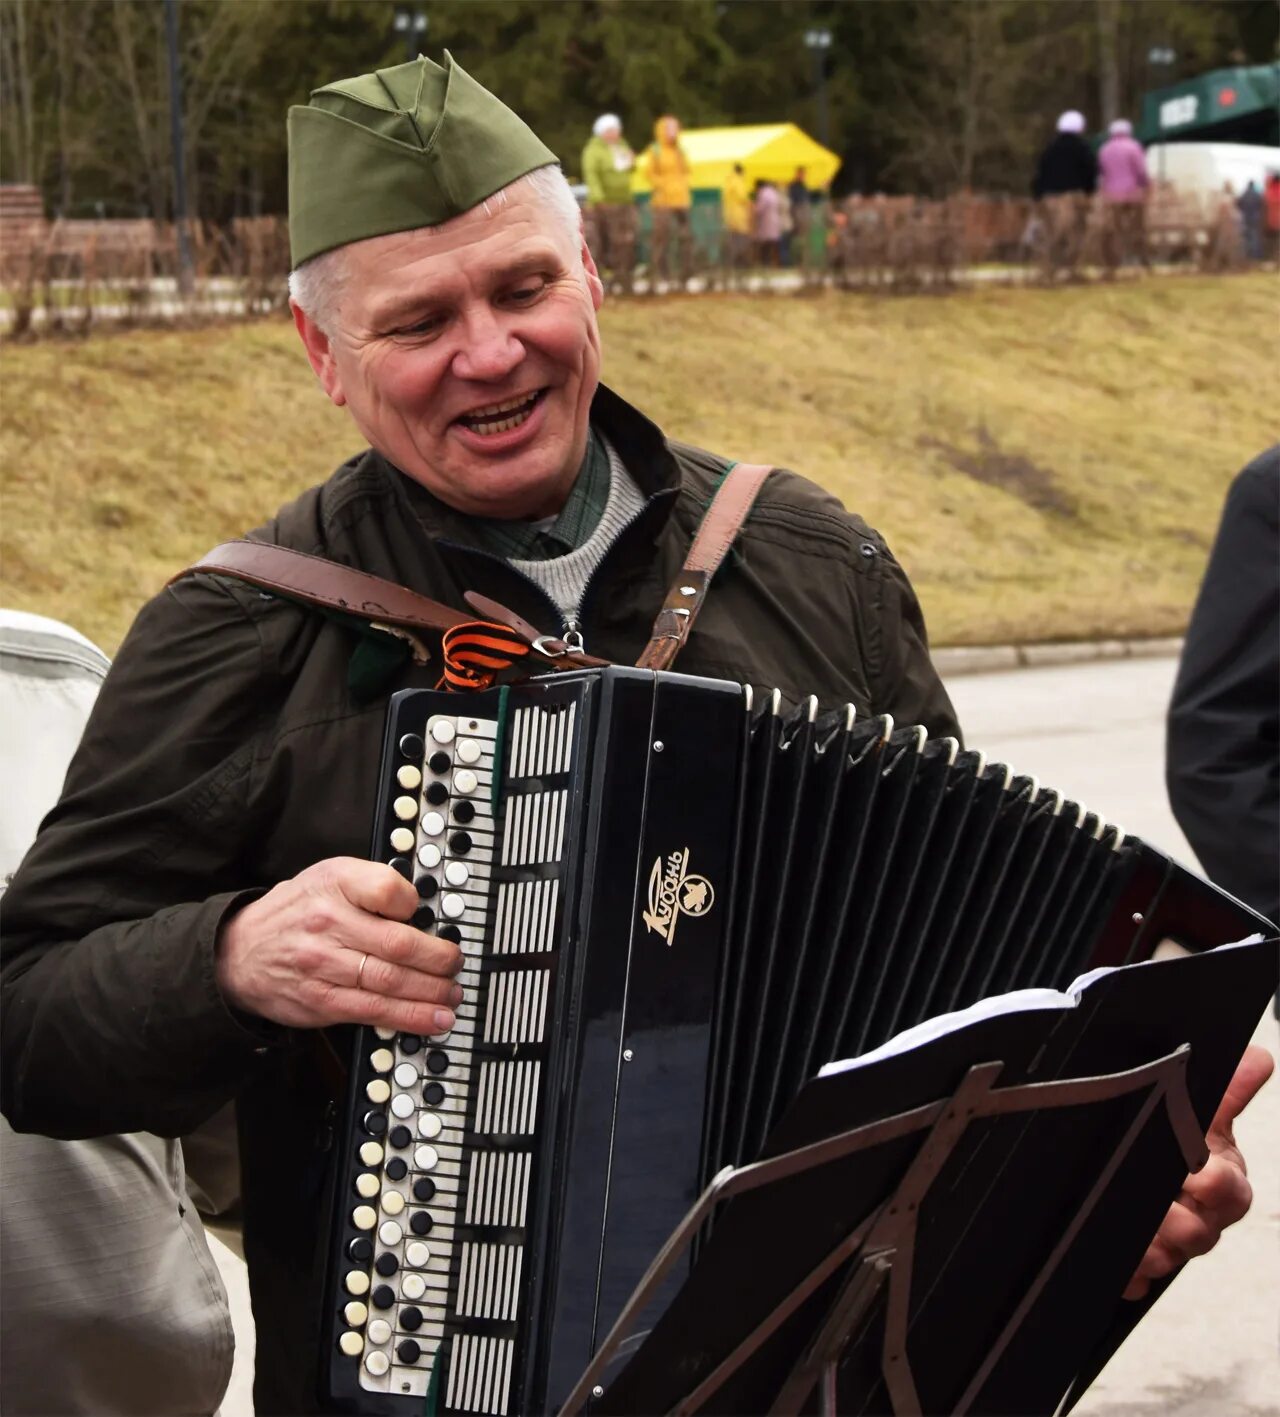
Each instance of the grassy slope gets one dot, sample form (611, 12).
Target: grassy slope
(1048, 464)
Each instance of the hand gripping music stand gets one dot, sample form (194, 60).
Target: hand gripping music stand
(965, 1252)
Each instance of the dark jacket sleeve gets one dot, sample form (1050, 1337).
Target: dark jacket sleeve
(110, 1017)
(903, 680)
(1223, 764)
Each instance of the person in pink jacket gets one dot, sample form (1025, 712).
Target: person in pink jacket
(1123, 184)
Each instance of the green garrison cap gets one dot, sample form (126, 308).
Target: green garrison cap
(398, 149)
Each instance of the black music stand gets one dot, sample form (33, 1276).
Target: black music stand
(952, 1225)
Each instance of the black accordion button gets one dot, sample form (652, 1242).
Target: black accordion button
(410, 1042)
(408, 1351)
(397, 1168)
(403, 865)
(439, 762)
(383, 1297)
(386, 1264)
(375, 1123)
(450, 933)
(412, 747)
(433, 1094)
(400, 1136)
(436, 793)
(360, 1249)
(460, 843)
(410, 1318)
(424, 917)
(437, 1060)
(421, 1223)
(427, 886)
(424, 1188)
(464, 812)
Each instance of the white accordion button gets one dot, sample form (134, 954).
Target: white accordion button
(393, 1202)
(356, 1313)
(379, 1330)
(406, 808)
(378, 1363)
(453, 905)
(390, 1233)
(465, 781)
(402, 839)
(429, 855)
(378, 1091)
(413, 1286)
(352, 1343)
(432, 823)
(417, 1254)
(469, 750)
(357, 1282)
(381, 1060)
(367, 1185)
(442, 731)
(456, 873)
(386, 1034)
(371, 1153)
(403, 1106)
(409, 777)
(426, 1158)
(364, 1217)
(406, 1075)
(429, 1124)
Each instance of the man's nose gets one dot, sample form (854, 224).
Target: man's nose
(488, 351)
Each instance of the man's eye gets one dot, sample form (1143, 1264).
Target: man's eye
(523, 294)
(428, 326)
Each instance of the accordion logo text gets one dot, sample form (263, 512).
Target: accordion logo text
(673, 892)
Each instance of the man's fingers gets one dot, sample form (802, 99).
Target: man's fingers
(1220, 1190)
(1254, 1068)
(343, 968)
(1184, 1234)
(372, 887)
(383, 1011)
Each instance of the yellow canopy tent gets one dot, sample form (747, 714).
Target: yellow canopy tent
(769, 151)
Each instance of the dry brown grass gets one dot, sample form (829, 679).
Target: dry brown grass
(1048, 464)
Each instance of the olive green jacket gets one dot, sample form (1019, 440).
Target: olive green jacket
(225, 754)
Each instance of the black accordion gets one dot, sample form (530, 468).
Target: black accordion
(677, 902)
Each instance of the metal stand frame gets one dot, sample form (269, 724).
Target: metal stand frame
(879, 1249)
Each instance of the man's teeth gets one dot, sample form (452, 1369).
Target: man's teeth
(492, 420)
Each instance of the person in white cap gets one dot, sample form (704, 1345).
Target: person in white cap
(607, 165)
(1065, 179)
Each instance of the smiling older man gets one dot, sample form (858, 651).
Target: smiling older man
(197, 902)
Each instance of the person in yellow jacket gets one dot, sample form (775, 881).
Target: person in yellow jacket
(735, 213)
(607, 165)
(669, 178)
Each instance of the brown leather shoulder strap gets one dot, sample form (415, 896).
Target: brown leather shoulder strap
(324, 584)
(330, 586)
(723, 520)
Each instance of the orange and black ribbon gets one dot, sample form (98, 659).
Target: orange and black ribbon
(476, 652)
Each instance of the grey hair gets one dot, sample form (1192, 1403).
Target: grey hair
(317, 285)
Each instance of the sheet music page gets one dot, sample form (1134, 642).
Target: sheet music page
(1020, 1001)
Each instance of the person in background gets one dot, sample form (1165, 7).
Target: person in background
(607, 165)
(766, 223)
(1272, 201)
(671, 201)
(1124, 183)
(1223, 747)
(735, 208)
(1252, 207)
(801, 218)
(1066, 178)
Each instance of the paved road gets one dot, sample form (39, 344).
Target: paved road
(1209, 1348)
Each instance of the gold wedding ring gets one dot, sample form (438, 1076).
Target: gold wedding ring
(364, 959)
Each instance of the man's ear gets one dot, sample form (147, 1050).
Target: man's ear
(316, 343)
(594, 284)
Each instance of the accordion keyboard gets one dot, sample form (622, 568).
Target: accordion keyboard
(438, 1197)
